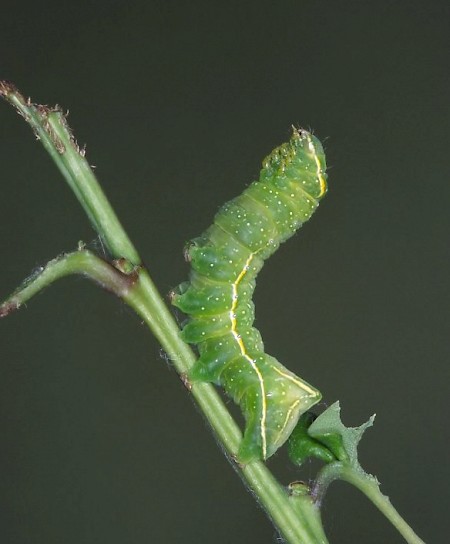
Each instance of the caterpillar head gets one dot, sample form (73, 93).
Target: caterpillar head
(300, 160)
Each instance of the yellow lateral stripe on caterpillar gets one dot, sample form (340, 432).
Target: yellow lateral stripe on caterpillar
(297, 381)
(323, 183)
(241, 345)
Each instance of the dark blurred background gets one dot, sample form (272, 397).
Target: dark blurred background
(178, 103)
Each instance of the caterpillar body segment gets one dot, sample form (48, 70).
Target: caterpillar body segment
(225, 261)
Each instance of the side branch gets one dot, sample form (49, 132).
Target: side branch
(80, 262)
(370, 487)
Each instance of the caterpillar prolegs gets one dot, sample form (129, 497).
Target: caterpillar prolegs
(225, 260)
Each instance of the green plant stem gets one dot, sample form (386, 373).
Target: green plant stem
(310, 512)
(370, 487)
(51, 128)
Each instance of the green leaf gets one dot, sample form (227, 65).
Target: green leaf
(342, 441)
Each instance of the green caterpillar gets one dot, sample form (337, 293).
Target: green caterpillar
(225, 260)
